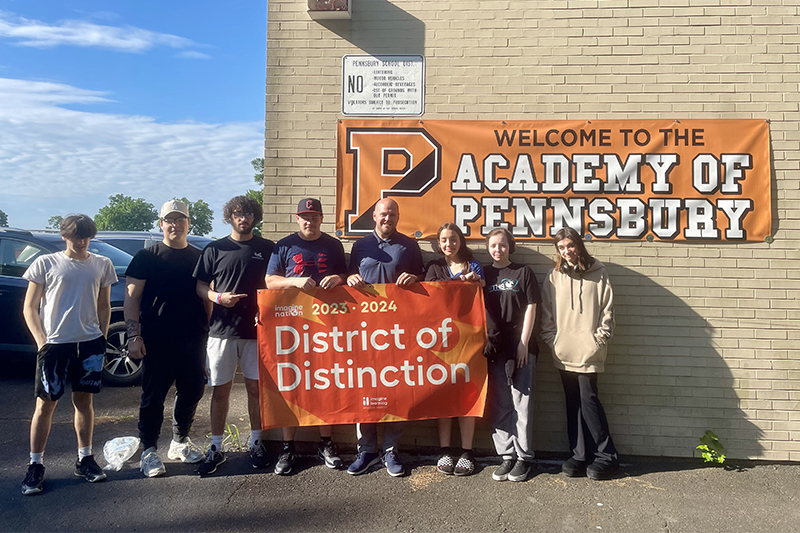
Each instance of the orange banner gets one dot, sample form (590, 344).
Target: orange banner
(663, 180)
(384, 353)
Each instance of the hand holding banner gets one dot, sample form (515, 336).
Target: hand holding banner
(383, 353)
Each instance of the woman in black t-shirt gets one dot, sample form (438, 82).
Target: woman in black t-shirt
(456, 265)
(512, 296)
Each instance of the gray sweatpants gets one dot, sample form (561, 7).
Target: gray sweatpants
(511, 409)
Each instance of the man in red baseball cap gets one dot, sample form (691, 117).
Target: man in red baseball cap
(304, 260)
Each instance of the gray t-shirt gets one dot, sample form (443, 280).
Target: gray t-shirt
(71, 286)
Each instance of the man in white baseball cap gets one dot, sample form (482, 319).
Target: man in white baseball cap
(161, 294)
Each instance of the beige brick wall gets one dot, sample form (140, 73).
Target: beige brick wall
(707, 335)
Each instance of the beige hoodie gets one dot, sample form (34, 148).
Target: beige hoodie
(578, 317)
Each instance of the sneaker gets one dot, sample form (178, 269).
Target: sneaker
(465, 465)
(213, 459)
(151, 463)
(258, 455)
(89, 469)
(501, 472)
(445, 464)
(600, 470)
(574, 468)
(327, 452)
(34, 479)
(285, 461)
(363, 462)
(521, 471)
(393, 464)
(187, 451)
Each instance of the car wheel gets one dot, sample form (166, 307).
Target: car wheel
(118, 368)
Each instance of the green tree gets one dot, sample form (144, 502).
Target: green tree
(257, 194)
(3, 219)
(124, 213)
(258, 166)
(201, 216)
(54, 222)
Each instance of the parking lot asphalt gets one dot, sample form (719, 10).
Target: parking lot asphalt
(650, 494)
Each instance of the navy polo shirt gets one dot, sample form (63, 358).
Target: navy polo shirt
(382, 261)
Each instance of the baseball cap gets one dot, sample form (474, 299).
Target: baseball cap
(174, 206)
(309, 205)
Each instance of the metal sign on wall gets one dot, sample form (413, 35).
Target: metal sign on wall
(384, 85)
(664, 180)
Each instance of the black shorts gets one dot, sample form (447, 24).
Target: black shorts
(80, 362)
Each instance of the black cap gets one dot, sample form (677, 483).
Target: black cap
(309, 205)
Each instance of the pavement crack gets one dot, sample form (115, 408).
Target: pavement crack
(235, 490)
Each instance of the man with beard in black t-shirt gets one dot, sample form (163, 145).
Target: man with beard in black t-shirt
(161, 294)
(236, 265)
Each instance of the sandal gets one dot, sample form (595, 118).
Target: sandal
(445, 463)
(465, 465)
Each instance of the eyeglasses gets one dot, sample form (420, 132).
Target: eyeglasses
(173, 221)
(239, 214)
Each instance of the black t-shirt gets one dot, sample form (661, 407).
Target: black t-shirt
(169, 306)
(295, 257)
(237, 267)
(508, 292)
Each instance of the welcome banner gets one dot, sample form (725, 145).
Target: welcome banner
(664, 180)
(383, 353)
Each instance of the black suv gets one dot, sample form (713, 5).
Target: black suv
(133, 241)
(18, 249)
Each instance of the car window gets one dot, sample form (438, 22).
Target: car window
(17, 256)
(130, 246)
(119, 259)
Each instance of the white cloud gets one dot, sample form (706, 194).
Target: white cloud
(193, 54)
(34, 33)
(55, 161)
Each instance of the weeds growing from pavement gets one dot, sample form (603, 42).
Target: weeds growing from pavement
(232, 439)
(711, 448)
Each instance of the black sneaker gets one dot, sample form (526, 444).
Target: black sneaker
(327, 452)
(258, 455)
(501, 473)
(285, 461)
(521, 471)
(89, 469)
(34, 479)
(600, 470)
(213, 459)
(574, 468)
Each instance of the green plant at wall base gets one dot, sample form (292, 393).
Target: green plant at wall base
(711, 448)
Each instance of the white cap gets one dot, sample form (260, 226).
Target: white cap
(174, 206)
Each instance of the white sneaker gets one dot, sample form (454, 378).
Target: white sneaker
(188, 452)
(151, 463)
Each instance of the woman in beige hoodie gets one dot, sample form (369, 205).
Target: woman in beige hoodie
(577, 322)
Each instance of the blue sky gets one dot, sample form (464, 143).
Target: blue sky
(152, 99)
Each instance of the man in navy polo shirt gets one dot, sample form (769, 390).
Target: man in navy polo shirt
(385, 256)
(304, 260)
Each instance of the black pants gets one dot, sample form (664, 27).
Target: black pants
(168, 361)
(587, 426)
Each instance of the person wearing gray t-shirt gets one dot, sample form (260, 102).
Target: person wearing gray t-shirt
(67, 310)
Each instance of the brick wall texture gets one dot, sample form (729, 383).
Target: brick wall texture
(707, 334)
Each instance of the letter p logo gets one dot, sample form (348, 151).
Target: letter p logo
(387, 162)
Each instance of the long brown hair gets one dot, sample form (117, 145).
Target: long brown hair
(584, 259)
(464, 253)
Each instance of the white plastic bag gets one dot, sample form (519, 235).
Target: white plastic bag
(117, 451)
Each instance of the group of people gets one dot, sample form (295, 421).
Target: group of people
(190, 316)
